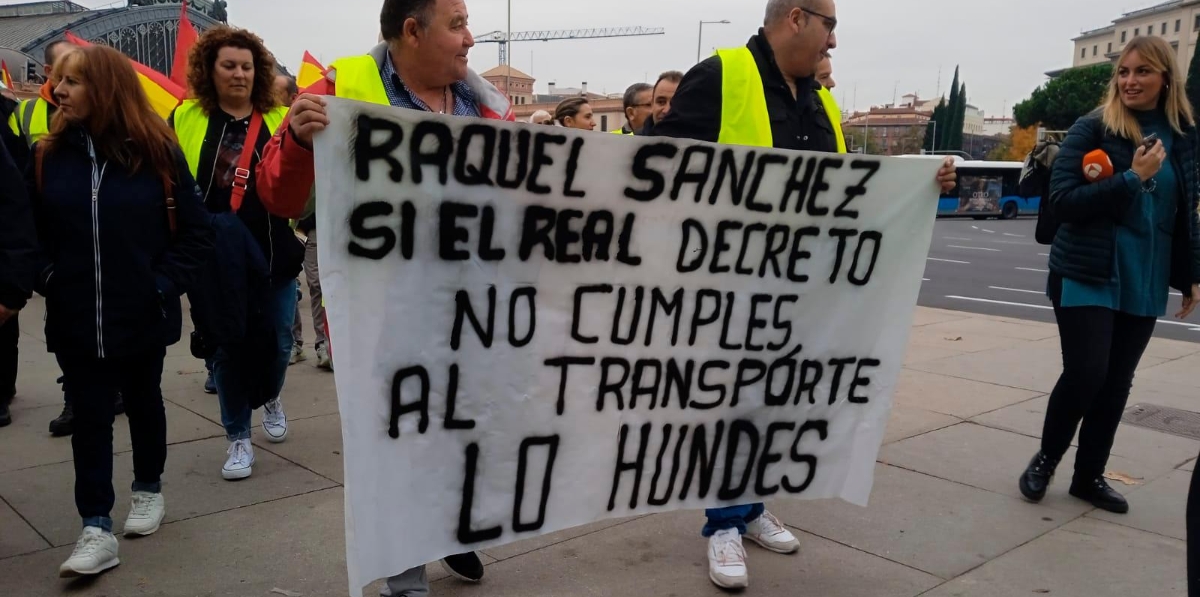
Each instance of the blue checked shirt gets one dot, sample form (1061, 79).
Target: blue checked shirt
(399, 95)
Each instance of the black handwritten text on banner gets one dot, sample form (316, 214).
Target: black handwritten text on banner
(538, 328)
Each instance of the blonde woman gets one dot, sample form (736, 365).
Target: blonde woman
(1122, 243)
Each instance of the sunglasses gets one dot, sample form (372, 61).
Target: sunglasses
(830, 22)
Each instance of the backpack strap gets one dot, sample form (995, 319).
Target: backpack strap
(39, 154)
(169, 195)
(241, 176)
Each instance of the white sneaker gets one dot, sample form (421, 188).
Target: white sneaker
(297, 355)
(727, 560)
(767, 531)
(145, 514)
(323, 360)
(240, 463)
(95, 552)
(274, 421)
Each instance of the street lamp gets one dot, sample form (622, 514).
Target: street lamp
(700, 37)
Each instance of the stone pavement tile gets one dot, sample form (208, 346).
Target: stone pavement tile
(944, 336)
(27, 443)
(954, 396)
(1190, 466)
(512, 550)
(192, 485)
(300, 401)
(16, 536)
(1134, 443)
(1163, 393)
(664, 555)
(937, 526)
(296, 544)
(1159, 506)
(920, 353)
(1163, 348)
(1184, 371)
(1016, 367)
(315, 444)
(907, 421)
(1087, 558)
(993, 460)
(992, 327)
(924, 316)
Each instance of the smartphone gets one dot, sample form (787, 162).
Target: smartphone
(1149, 141)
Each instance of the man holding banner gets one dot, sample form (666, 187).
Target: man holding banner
(421, 65)
(764, 95)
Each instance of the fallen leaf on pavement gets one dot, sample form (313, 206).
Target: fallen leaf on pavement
(286, 593)
(1123, 478)
(957, 339)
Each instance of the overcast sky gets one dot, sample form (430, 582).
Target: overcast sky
(885, 46)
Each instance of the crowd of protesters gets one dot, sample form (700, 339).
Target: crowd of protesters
(112, 215)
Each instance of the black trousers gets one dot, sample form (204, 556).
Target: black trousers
(1101, 349)
(93, 385)
(1193, 534)
(10, 334)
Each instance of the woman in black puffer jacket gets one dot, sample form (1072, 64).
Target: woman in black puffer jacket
(122, 227)
(1123, 242)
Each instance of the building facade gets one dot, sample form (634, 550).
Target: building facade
(1177, 21)
(144, 30)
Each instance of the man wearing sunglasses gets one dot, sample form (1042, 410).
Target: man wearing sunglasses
(763, 95)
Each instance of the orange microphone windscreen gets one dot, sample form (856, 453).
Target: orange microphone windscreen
(1097, 166)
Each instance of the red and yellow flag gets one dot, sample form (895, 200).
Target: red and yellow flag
(164, 95)
(185, 38)
(311, 71)
(5, 77)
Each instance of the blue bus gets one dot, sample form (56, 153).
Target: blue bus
(987, 190)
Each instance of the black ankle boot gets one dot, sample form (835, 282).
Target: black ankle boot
(5, 415)
(119, 405)
(1036, 477)
(64, 425)
(1099, 494)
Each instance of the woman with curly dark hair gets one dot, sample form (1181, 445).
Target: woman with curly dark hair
(223, 131)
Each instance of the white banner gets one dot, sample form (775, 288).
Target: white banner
(537, 328)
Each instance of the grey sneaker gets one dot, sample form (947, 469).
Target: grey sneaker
(297, 354)
(323, 359)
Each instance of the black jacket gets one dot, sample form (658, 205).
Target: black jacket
(1083, 249)
(18, 237)
(116, 274)
(18, 150)
(283, 252)
(796, 122)
(233, 288)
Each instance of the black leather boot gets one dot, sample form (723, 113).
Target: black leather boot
(119, 405)
(64, 425)
(5, 415)
(1099, 494)
(1036, 477)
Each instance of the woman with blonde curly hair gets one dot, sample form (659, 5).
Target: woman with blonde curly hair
(223, 132)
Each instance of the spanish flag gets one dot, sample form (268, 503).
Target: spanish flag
(311, 71)
(164, 95)
(5, 78)
(185, 38)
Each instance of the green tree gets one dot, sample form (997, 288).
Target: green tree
(859, 139)
(934, 129)
(946, 127)
(1193, 79)
(958, 119)
(1060, 102)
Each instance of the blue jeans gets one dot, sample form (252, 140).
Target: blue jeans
(235, 403)
(732, 517)
(283, 314)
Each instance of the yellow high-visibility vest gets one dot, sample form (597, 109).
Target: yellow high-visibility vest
(191, 125)
(621, 131)
(31, 120)
(745, 119)
(358, 79)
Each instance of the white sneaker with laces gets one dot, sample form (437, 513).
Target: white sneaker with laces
(145, 514)
(727, 560)
(767, 531)
(240, 463)
(95, 552)
(274, 421)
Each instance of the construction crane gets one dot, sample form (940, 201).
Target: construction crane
(499, 37)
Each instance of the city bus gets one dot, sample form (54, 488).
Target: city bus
(987, 190)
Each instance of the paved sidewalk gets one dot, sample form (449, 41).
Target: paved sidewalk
(945, 517)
